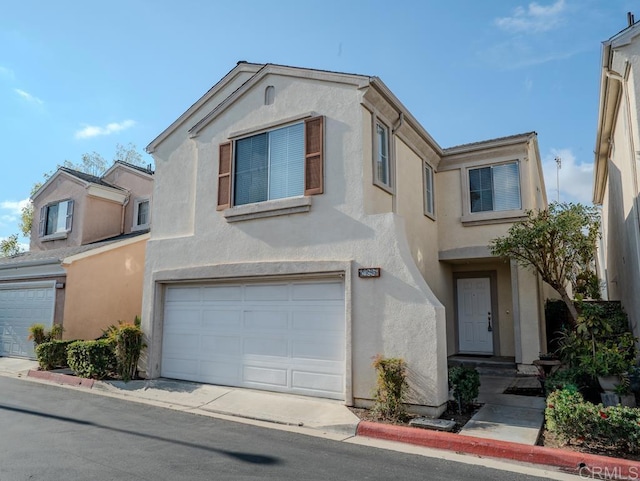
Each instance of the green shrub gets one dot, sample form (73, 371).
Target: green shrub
(52, 354)
(39, 334)
(574, 421)
(572, 376)
(92, 359)
(128, 339)
(391, 388)
(465, 382)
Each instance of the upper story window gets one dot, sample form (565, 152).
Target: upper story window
(56, 218)
(276, 164)
(495, 188)
(381, 157)
(269, 165)
(429, 208)
(141, 214)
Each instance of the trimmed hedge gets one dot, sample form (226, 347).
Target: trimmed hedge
(574, 421)
(52, 354)
(92, 359)
(128, 342)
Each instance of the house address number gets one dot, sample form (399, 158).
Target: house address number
(369, 272)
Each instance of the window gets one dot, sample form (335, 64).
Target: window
(281, 163)
(141, 214)
(56, 218)
(495, 188)
(428, 190)
(382, 164)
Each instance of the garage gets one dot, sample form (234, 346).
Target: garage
(277, 336)
(21, 305)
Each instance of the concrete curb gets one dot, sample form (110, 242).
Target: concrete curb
(577, 463)
(61, 378)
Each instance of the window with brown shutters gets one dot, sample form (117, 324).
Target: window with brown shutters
(314, 156)
(276, 164)
(224, 175)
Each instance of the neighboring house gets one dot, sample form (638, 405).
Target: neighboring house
(305, 222)
(617, 174)
(86, 264)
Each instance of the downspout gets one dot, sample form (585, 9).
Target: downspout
(124, 208)
(394, 129)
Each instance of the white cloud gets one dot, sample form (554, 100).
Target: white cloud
(94, 130)
(576, 180)
(28, 97)
(533, 19)
(14, 207)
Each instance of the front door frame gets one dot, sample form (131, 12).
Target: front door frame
(495, 314)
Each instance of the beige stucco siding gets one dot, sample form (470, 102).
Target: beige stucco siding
(139, 186)
(103, 288)
(101, 219)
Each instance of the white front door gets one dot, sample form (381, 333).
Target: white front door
(475, 321)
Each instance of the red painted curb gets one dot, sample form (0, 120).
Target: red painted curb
(580, 463)
(61, 378)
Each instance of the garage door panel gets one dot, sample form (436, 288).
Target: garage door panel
(183, 294)
(216, 319)
(214, 346)
(21, 305)
(314, 381)
(266, 319)
(182, 368)
(317, 350)
(268, 292)
(281, 336)
(222, 293)
(316, 319)
(318, 291)
(270, 376)
(260, 346)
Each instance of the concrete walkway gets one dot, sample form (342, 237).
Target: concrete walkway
(507, 417)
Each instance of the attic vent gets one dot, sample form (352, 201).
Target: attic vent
(269, 95)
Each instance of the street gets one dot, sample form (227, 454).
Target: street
(52, 433)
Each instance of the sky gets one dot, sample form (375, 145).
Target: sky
(79, 77)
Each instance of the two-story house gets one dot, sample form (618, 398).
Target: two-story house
(85, 266)
(305, 222)
(617, 173)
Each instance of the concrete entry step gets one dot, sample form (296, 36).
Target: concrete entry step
(486, 365)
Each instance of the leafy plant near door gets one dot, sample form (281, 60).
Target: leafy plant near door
(391, 388)
(465, 383)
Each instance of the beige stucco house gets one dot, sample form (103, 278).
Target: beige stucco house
(305, 222)
(85, 267)
(617, 174)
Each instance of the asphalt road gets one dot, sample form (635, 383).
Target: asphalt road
(52, 433)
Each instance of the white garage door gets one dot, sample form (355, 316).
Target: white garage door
(23, 304)
(286, 337)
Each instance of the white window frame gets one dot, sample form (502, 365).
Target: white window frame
(490, 216)
(389, 185)
(136, 211)
(68, 220)
(428, 179)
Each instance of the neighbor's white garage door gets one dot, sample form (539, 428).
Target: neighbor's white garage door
(23, 304)
(286, 337)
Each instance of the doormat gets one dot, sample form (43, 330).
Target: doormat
(525, 386)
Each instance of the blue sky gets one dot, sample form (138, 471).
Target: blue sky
(78, 77)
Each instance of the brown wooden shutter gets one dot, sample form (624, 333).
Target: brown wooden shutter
(224, 176)
(314, 156)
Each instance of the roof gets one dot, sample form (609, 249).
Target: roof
(258, 71)
(92, 179)
(144, 170)
(58, 255)
(498, 141)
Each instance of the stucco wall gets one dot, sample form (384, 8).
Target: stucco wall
(101, 219)
(103, 288)
(395, 315)
(139, 185)
(61, 189)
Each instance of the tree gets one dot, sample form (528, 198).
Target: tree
(9, 246)
(558, 243)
